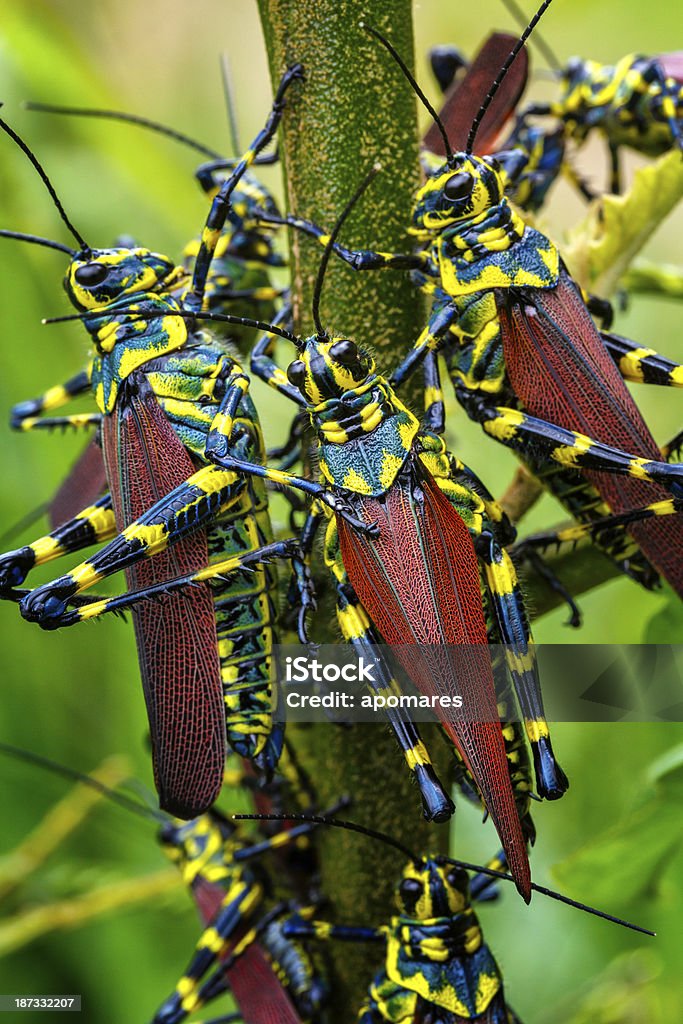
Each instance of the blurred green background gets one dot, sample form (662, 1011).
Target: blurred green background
(75, 695)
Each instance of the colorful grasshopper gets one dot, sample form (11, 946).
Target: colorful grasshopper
(158, 388)
(437, 966)
(637, 103)
(273, 979)
(48, 605)
(239, 281)
(526, 359)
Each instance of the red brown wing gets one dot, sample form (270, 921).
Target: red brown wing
(85, 482)
(257, 990)
(176, 638)
(463, 100)
(672, 64)
(420, 584)
(561, 372)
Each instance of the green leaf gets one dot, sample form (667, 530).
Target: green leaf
(625, 861)
(615, 228)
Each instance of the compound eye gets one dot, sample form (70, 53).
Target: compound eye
(345, 352)
(456, 878)
(458, 186)
(296, 373)
(91, 274)
(410, 889)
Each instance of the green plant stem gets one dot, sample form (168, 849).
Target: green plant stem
(354, 109)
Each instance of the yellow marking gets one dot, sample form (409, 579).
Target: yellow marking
(353, 481)
(416, 755)
(487, 988)
(185, 986)
(637, 469)
(153, 537)
(504, 426)
(391, 465)
(333, 433)
(210, 237)
(536, 729)
(45, 549)
(54, 397)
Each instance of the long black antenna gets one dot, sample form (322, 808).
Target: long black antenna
(74, 775)
(224, 318)
(502, 73)
(37, 240)
(416, 88)
(229, 94)
(120, 115)
(382, 837)
(350, 826)
(516, 11)
(315, 304)
(84, 247)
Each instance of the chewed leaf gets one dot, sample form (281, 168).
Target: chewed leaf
(615, 228)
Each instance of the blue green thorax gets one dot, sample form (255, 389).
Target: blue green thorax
(435, 947)
(126, 336)
(365, 433)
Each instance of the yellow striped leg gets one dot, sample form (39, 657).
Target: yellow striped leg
(358, 631)
(526, 433)
(642, 365)
(51, 612)
(195, 503)
(28, 415)
(91, 526)
(508, 603)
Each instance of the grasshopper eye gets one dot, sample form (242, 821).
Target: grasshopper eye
(410, 889)
(91, 274)
(345, 352)
(456, 878)
(458, 186)
(296, 373)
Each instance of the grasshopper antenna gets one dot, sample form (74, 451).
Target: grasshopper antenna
(382, 837)
(229, 94)
(84, 247)
(350, 826)
(37, 240)
(502, 73)
(120, 115)
(76, 776)
(541, 44)
(416, 88)
(315, 304)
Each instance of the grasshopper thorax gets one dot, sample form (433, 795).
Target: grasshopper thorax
(461, 190)
(104, 276)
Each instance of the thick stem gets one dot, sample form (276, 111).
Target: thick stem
(354, 109)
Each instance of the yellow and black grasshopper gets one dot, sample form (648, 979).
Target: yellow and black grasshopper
(636, 103)
(524, 355)
(205, 661)
(272, 977)
(437, 965)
